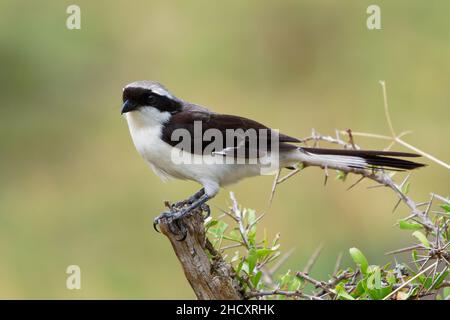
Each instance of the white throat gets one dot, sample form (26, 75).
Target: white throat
(147, 118)
(145, 125)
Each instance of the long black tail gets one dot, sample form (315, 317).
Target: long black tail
(366, 159)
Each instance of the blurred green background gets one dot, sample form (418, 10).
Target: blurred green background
(73, 190)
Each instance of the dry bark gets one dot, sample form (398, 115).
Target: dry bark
(209, 275)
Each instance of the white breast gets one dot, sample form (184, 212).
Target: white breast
(145, 127)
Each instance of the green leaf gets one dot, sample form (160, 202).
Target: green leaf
(446, 293)
(290, 282)
(374, 280)
(446, 207)
(210, 223)
(415, 258)
(374, 286)
(285, 280)
(218, 229)
(255, 279)
(386, 266)
(342, 294)
(262, 253)
(412, 293)
(251, 260)
(251, 216)
(421, 237)
(359, 259)
(425, 281)
(360, 289)
(294, 284)
(378, 294)
(390, 278)
(240, 266)
(404, 225)
(341, 175)
(440, 278)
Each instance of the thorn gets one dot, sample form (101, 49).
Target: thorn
(350, 138)
(376, 186)
(314, 136)
(430, 203)
(274, 188)
(337, 135)
(389, 146)
(404, 181)
(289, 175)
(404, 250)
(422, 204)
(326, 175)
(337, 264)
(359, 180)
(409, 217)
(396, 205)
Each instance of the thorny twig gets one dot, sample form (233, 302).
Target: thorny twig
(436, 250)
(397, 138)
(422, 217)
(432, 255)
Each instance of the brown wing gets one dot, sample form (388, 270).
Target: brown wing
(196, 123)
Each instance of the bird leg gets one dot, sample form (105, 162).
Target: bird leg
(198, 200)
(189, 200)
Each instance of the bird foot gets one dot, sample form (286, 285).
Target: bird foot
(174, 216)
(205, 208)
(172, 219)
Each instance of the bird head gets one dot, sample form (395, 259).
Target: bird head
(149, 96)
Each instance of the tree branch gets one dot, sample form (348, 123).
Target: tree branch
(210, 278)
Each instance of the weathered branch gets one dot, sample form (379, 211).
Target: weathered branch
(210, 278)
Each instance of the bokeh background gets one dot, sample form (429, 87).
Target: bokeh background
(73, 190)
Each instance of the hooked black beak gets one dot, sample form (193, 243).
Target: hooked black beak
(128, 106)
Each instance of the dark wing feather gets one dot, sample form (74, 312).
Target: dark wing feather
(185, 120)
(348, 152)
(386, 159)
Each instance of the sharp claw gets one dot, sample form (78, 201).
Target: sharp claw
(158, 218)
(175, 225)
(155, 224)
(178, 211)
(207, 209)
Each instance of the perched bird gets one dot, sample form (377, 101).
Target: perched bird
(157, 121)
